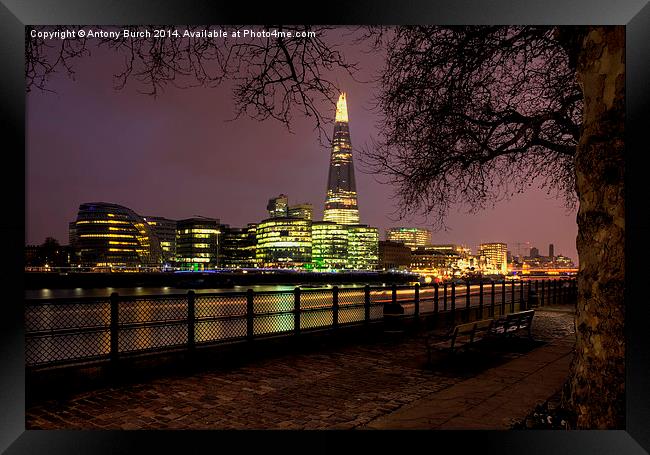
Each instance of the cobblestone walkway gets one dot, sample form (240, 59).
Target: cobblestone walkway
(346, 388)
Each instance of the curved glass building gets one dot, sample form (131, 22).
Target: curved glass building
(110, 235)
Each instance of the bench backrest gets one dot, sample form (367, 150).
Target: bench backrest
(473, 327)
(520, 320)
(464, 329)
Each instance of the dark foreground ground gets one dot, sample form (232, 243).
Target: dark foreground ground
(384, 384)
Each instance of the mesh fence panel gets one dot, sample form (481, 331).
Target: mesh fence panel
(351, 297)
(316, 318)
(316, 299)
(378, 297)
(214, 330)
(152, 309)
(351, 314)
(427, 299)
(219, 317)
(49, 330)
(148, 323)
(273, 303)
(279, 308)
(54, 316)
(207, 306)
(73, 347)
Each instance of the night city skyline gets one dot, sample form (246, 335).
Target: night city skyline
(318, 227)
(178, 155)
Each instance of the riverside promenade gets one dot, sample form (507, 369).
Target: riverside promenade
(383, 384)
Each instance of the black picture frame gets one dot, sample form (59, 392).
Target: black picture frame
(634, 14)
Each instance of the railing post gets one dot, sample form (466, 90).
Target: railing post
(492, 299)
(366, 303)
(435, 298)
(115, 321)
(480, 300)
(541, 300)
(512, 297)
(503, 297)
(453, 301)
(296, 311)
(444, 296)
(191, 317)
(394, 294)
(335, 307)
(416, 301)
(250, 315)
(467, 301)
(522, 303)
(555, 290)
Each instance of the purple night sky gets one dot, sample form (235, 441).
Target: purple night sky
(177, 156)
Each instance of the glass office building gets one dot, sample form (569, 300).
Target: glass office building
(197, 243)
(284, 242)
(409, 236)
(363, 247)
(495, 256)
(238, 247)
(329, 245)
(165, 230)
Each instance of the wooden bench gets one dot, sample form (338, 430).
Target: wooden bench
(463, 335)
(513, 322)
(459, 336)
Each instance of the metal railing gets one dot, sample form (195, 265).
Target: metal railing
(72, 330)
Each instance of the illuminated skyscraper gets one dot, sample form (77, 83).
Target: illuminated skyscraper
(329, 245)
(197, 243)
(411, 237)
(283, 242)
(165, 230)
(495, 256)
(341, 202)
(304, 211)
(278, 206)
(363, 247)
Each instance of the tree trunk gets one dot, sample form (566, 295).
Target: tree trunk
(597, 380)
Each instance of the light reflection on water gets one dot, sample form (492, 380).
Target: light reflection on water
(165, 290)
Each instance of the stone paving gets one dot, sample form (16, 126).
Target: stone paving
(349, 387)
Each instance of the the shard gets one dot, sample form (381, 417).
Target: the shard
(341, 202)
